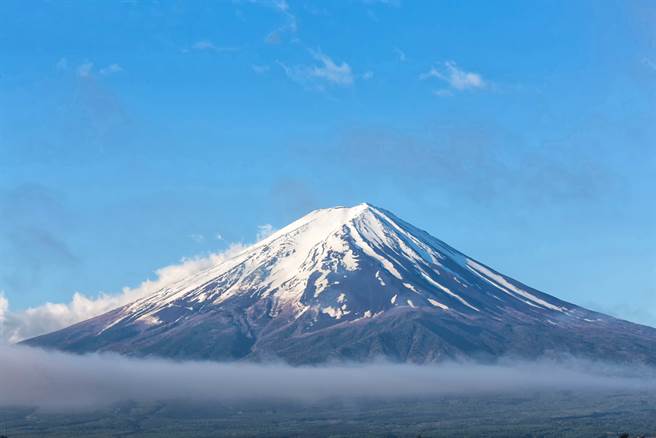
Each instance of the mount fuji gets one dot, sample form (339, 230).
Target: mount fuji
(354, 284)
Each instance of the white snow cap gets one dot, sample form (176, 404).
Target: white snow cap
(321, 251)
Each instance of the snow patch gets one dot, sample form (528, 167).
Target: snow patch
(411, 287)
(149, 320)
(437, 304)
(380, 280)
(501, 283)
(334, 312)
(447, 291)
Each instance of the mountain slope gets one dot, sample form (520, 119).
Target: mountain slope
(354, 283)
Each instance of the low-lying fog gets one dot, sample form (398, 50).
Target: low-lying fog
(54, 380)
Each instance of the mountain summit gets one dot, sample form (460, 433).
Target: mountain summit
(354, 284)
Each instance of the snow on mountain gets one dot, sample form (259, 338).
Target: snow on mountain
(352, 283)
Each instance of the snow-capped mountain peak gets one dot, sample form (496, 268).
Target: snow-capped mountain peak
(359, 276)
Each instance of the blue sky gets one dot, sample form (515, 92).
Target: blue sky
(133, 134)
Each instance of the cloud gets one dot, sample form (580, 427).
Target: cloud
(260, 69)
(290, 26)
(400, 54)
(442, 92)
(54, 316)
(198, 238)
(325, 72)
(281, 7)
(367, 75)
(209, 46)
(203, 45)
(85, 70)
(456, 78)
(111, 69)
(330, 71)
(33, 377)
(264, 231)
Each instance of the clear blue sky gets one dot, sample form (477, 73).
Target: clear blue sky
(522, 133)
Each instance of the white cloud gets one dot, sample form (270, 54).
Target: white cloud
(111, 69)
(203, 45)
(260, 69)
(218, 236)
(326, 71)
(400, 54)
(340, 74)
(281, 5)
(456, 78)
(443, 92)
(289, 28)
(40, 378)
(209, 46)
(198, 238)
(84, 70)
(48, 317)
(264, 231)
(283, 9)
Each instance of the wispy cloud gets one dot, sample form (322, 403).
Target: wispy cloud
(289, 27)
(264, 231)
(84, 70)
(111, 69)
(16, 326)
(325, 72)
(455, 78)
(400, 54)
(260, 69)
(34, 377)
(330, 71)
(208, 46)
(198, 238)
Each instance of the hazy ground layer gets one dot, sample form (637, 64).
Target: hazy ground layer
(539, 414)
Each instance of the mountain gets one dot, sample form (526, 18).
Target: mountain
(354, 284)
